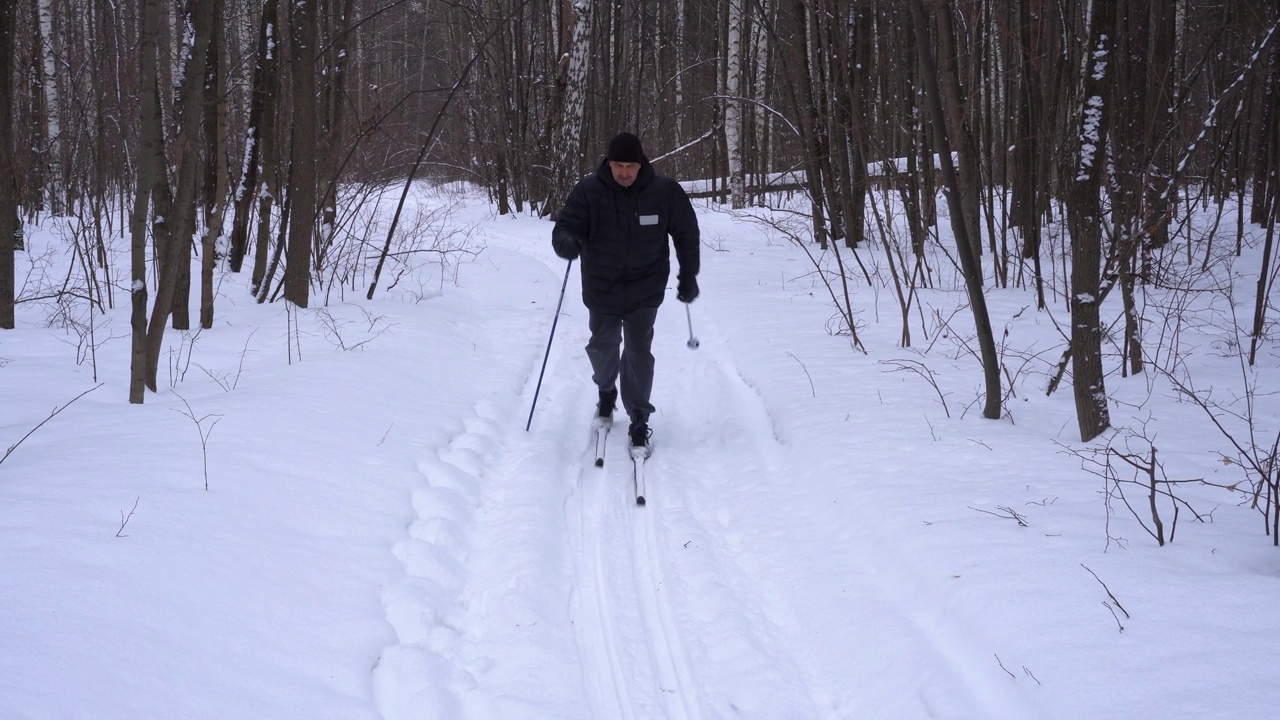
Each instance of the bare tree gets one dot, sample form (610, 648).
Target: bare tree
(251, 170)
(1133, 159)
(175, 209)
(959, 136)
(964, 244)
(303, 202)
(150, 165)
(268, 189)
(9, 222)
(215, 175)
(1085, 222)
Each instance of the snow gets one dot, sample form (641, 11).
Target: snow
(828, 534)
(1089, 136)
(1100, 58)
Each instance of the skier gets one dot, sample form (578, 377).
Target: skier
(618, 219)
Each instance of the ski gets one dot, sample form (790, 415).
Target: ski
(638, 457)
(600, 431)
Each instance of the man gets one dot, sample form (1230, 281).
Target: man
(618, 219)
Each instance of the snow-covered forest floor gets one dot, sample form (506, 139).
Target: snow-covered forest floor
(337, 512)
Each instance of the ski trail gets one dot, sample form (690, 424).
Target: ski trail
(676, 681)
(602, 668)
(735, 627)
(736, 482)
(634, 664)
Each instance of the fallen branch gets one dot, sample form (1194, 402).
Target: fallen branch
(1009, 514)
(806, 374)
(1114, 604)
(124, 519)
(53, 414)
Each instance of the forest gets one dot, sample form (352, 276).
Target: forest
(251, 135)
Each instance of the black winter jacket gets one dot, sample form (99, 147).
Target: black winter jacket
(626, 259)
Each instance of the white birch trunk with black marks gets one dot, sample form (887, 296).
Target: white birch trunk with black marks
(733, 106)
(570, 136)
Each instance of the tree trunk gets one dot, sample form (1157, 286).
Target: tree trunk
(251, 169)
(175, 225)
(216, 159)
(567, 157)
(1027, 152)
(149, 165)
(1266, 173)
(332, 111)
(51, 130)
(733, 106)
(1084, 220)
(805, 103)
(302, 191)
(1161, 110)
(1264, 282)
(269, 174)
(959, 136)
(9, 222)
(1133, 157)
(964, 244)
(859, 71)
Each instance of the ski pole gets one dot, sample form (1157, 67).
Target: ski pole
(693, 341)
(554, 320)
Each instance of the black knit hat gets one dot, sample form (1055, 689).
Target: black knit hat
(625, 147)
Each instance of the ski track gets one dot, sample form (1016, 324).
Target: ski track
(735, 628)
(535, 587)
(808, 657)
(634, 664)
(602, 668)
(676, 680)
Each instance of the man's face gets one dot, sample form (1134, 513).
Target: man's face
(624, 173)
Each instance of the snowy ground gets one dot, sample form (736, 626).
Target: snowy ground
(827, 534)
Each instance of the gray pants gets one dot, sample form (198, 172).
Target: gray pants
(634, 331)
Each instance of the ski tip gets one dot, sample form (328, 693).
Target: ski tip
(640, 500)
(599, 462)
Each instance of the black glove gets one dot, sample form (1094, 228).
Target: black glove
(566, 245)
(687, 289)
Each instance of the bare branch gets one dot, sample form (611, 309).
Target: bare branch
(53, 414)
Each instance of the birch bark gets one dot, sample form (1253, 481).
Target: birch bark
(569, 140)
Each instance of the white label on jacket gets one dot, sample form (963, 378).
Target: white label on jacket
(648, 219)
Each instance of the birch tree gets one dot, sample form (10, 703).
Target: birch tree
(47, 79)
(733, 105)
(574, 60)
